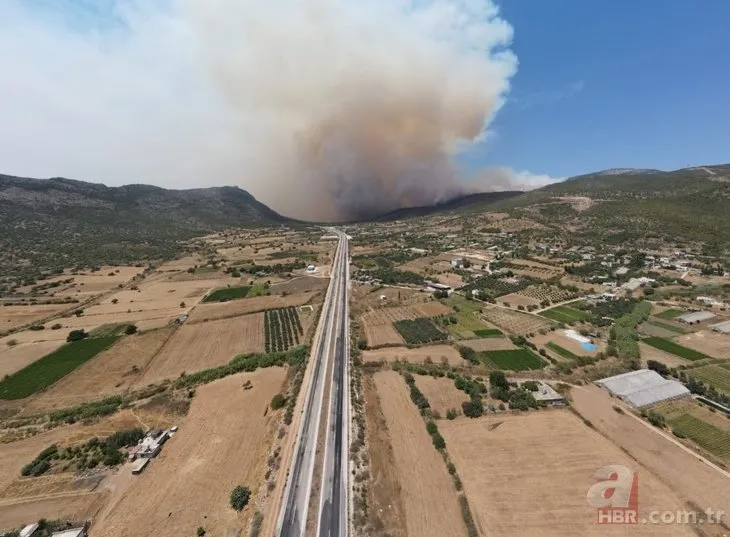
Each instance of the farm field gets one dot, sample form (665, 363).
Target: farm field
(427, 492)
(441, 393)
(515, 300)
(542, 292)
(282, 329)
(420, 330)
(516, 360)
(199, 346)
(52, 367)
(565, 314)
(504, 485)
(218, 447)
(304, 284)
(652, 353)
(112, 372)
(669, 314)
(488, 333)
(14, 316)
(16, 357)
(676, 328)
(227, 293)
(671, 347)
(81, 506)
(657, 452)
(709, 437)
(714, 375)
(86, 284)
(224, 310)
(707, 342)
(378, 324)
(437, 354)
(488, 344)
(515, 322)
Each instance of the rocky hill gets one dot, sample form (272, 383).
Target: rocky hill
(57, 222)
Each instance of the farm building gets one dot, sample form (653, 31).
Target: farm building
(28, 531)
(75, 532)
(139, 465)
(643, 388)
(723, 328)
(150, 445)
(548, 395)
(696, 317)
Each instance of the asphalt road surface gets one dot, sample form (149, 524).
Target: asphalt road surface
(331, 344)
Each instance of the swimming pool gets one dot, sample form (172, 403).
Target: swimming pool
(589, 346)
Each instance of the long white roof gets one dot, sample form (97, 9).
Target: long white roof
(643, 387)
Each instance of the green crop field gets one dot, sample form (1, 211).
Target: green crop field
(488, 332)
(709, 437)
(565, 353)
(420, 330)
(52, 367)
(669, 314)
(257, 290)
(675, 348)
(666, 326)
(714, 375)
(565, 314)
(228, 293)
(515, 359)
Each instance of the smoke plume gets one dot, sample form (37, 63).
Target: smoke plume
(324, 109)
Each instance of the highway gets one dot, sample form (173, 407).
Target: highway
(331, 346)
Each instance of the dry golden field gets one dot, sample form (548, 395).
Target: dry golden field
(528, 474)
(112, 372)
(489, 344)
(441, 393)
(711, 343)
(427, 492)
(659, 453)
(222, 443)
(14, 316)
(514, 321)
(437, 353)
(233, 308)
(18, 356)
(199, 346)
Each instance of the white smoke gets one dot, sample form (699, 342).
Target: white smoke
(324, 109)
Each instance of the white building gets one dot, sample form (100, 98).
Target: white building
(29, 530)
(696, 317)
(722, 328)
(643, 388)
(75, 532)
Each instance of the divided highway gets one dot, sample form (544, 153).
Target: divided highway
(330, 346)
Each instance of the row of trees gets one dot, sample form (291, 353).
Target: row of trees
(282, 329)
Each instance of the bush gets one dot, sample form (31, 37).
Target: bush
(657, 420)
(438, 441)
(240, 497)
(201, 531)
(12, 342)
(451, 414)
(130, 329)
(473, 408)
(77, 335)
(56, 326)
(278, 401)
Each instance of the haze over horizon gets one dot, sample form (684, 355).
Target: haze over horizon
(346, 110)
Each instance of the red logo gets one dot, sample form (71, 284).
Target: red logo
(616, 495)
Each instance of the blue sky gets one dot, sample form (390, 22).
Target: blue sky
(626, 83)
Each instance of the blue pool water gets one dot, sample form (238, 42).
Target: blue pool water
(589, 346)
